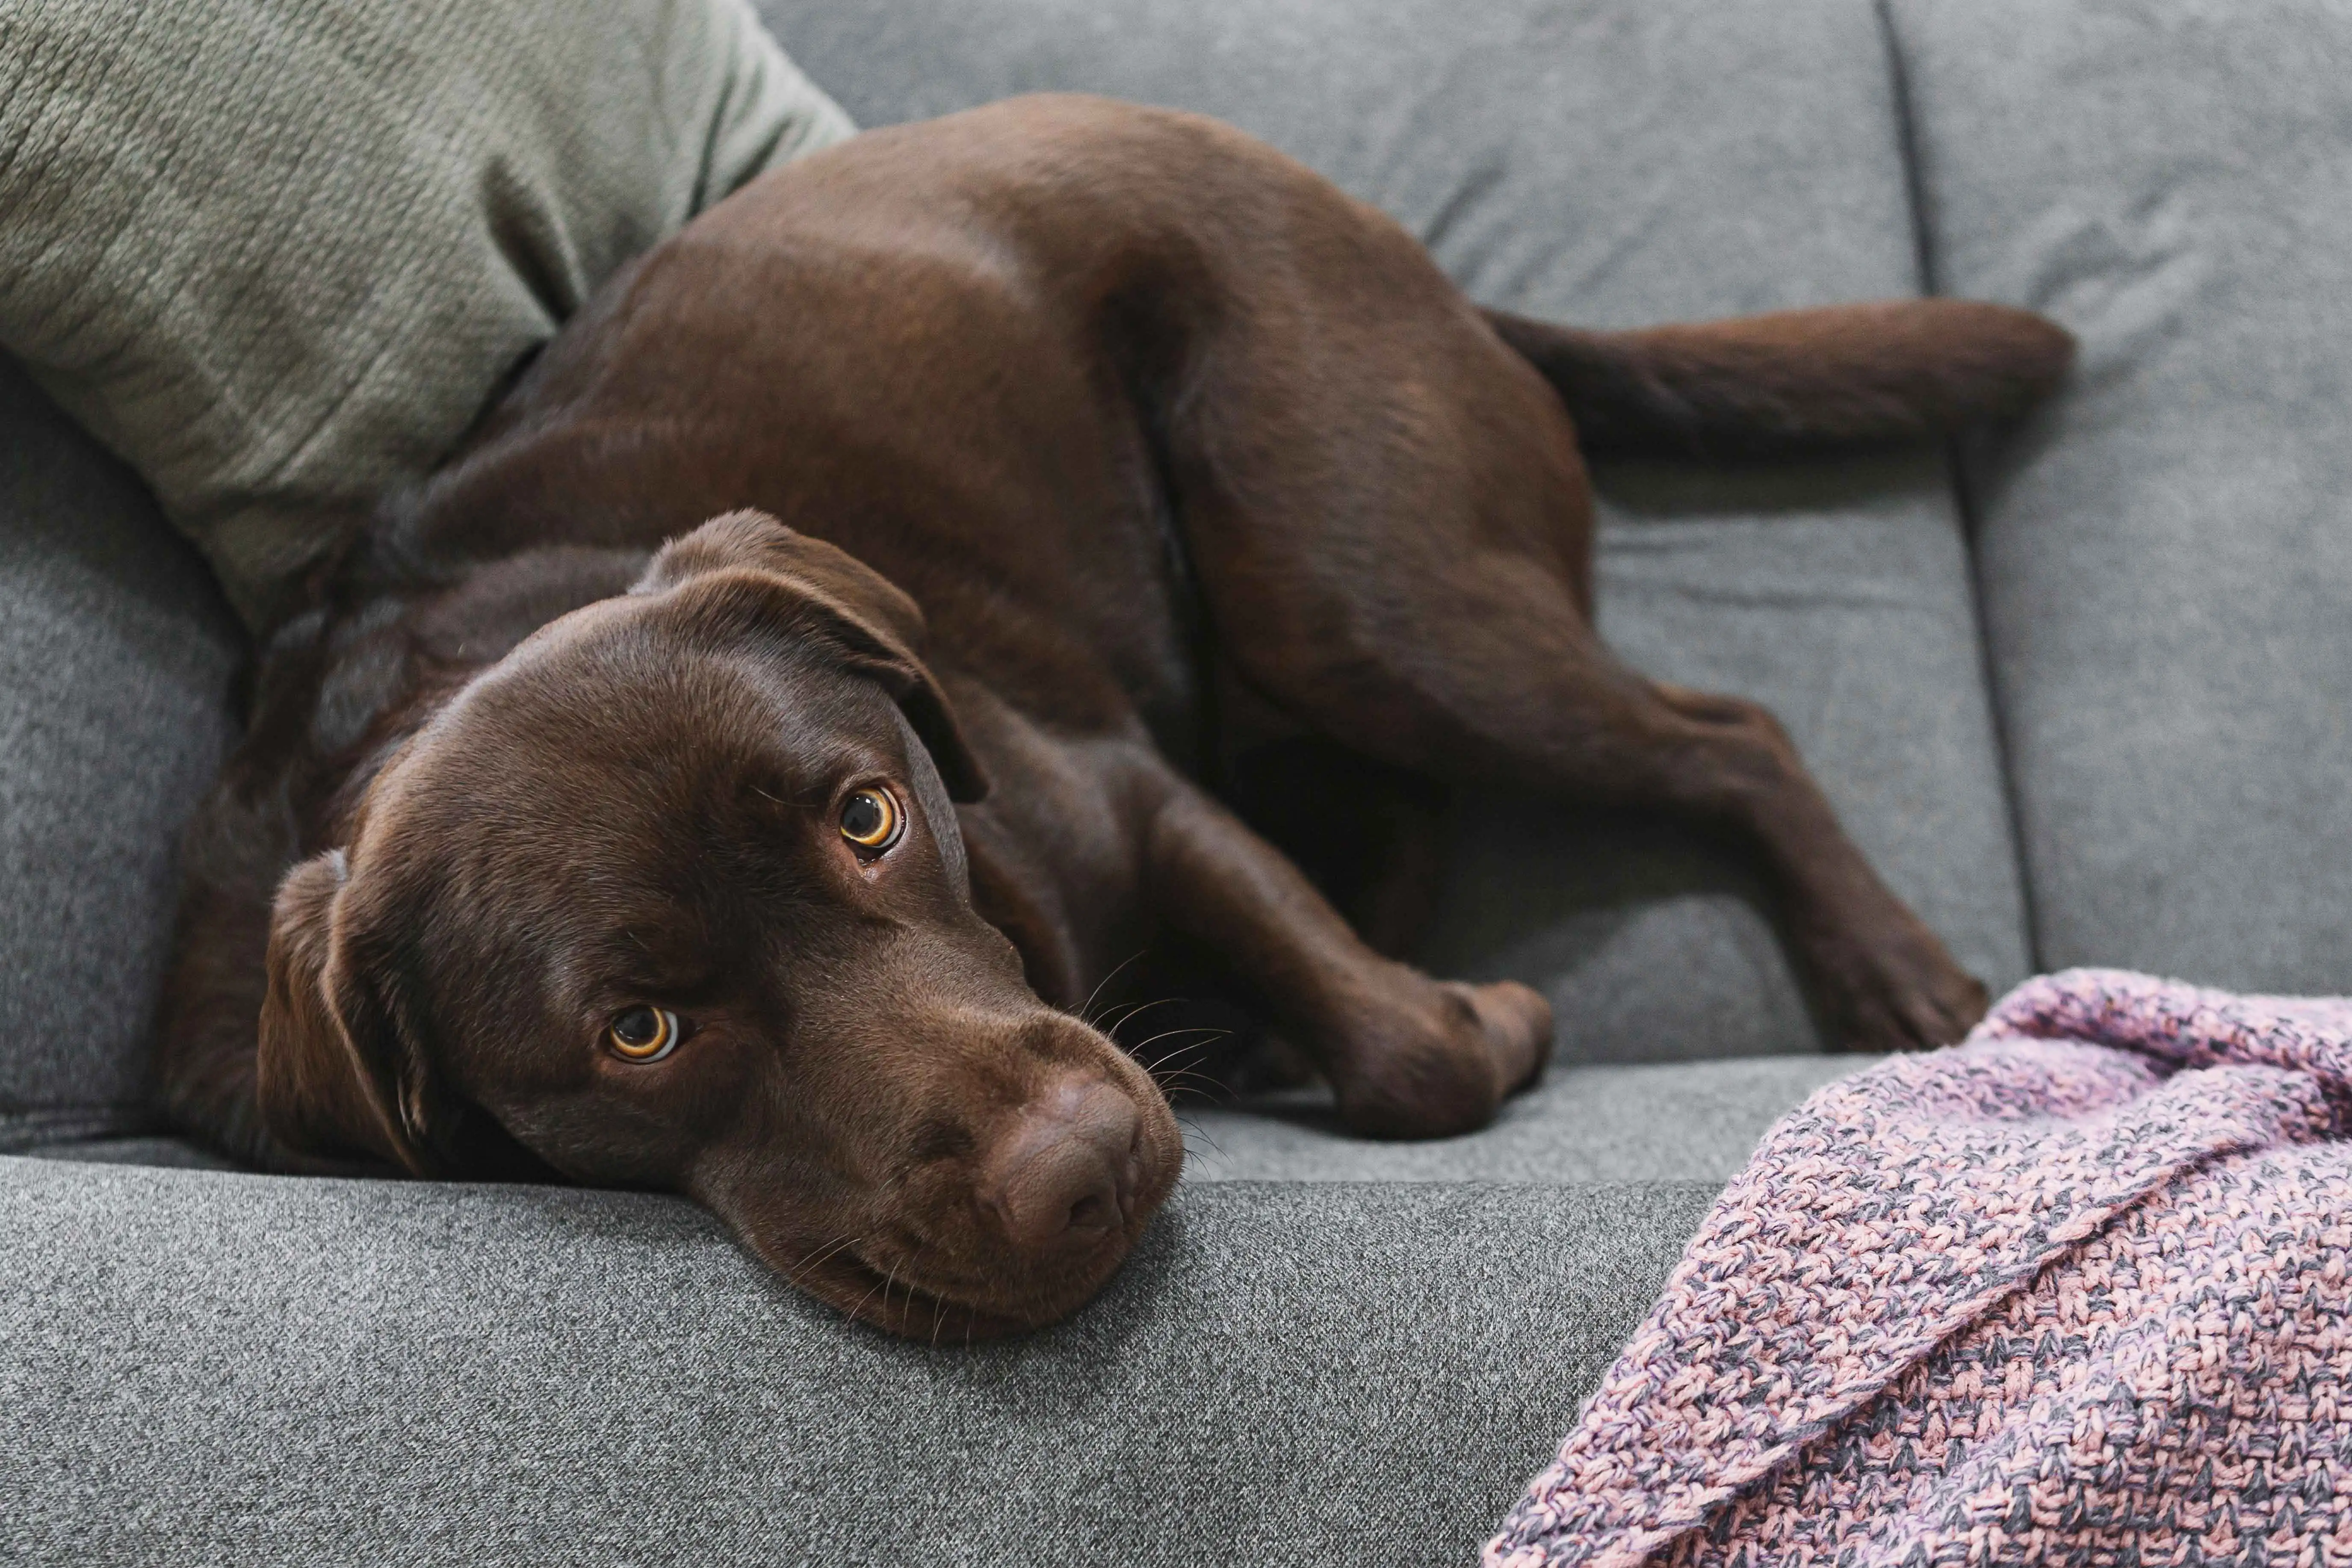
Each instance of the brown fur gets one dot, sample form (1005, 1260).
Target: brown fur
(1115, 476)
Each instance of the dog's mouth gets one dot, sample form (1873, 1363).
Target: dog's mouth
(892, 1291)
(894, 1300)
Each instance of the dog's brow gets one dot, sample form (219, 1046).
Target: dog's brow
(808, 800)
(627, 957)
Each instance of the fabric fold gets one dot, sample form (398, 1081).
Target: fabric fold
(1962, 1301)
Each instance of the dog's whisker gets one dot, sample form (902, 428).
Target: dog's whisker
(815, 1256)
(1202, 1133)
(857, 1311)
(1210, 1029)
(1209, 1090)
(1214, 1035)
(1178, 1059)
(818, 1257)
(939, 1316)
(805, 802)
(1184, 1058)
(1137, 1011)
(1165, 1072)
(1085, 1006)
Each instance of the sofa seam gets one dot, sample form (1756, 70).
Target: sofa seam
(1956, 470)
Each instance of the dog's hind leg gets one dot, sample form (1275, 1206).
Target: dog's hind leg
(1391, 534)
(1493, 677)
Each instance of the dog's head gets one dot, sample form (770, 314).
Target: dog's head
(675, 896)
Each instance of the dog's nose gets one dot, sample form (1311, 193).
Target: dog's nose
(1062, 1177)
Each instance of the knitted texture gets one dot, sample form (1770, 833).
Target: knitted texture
(276, 254)
(2074, 1292)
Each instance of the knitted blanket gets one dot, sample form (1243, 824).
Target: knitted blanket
(2074, 1292)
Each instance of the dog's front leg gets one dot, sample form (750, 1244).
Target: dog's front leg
(1408, 1055)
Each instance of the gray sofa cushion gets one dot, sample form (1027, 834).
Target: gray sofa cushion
(2168, 556)
(115, 659)
(203, 1368)
(1612, 163)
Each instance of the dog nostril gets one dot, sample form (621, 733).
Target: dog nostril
(1091, 1212)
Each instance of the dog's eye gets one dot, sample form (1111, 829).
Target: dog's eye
(644, 1034)
(870, 819)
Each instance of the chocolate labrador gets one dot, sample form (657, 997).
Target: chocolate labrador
(594, 825)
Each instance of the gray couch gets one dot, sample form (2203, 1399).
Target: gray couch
(2084, 693)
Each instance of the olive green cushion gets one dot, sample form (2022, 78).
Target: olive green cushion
(278, 254)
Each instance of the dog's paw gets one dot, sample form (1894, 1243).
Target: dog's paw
(1897, 990)
(1441, 1065)
(1517, 1022)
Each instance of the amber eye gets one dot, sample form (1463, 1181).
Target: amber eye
(870, 819)
(644, 1034)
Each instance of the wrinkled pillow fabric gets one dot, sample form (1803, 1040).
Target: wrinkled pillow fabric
(277, 253)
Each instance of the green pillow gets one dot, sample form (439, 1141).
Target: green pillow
(277, 253)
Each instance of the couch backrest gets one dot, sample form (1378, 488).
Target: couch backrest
(116, 653)
(2165, 554)
(2168, 554)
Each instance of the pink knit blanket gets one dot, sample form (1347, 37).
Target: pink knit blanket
(2074, 1291)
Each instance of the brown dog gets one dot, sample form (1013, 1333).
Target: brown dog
(769, 865)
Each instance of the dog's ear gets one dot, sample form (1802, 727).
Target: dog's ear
(338, 1078)
(872, 625)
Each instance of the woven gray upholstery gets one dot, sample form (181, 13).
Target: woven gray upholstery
(2167, 553)
(200, 1368)
(115, 656)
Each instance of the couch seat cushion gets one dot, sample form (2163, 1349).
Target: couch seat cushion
(205, 1368)
(1671, 1122)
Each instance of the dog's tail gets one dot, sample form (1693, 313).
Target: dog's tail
(1795, 380)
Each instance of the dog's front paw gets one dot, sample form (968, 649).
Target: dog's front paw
(1517, 1022)
(1441, 1065)
(1895, 988)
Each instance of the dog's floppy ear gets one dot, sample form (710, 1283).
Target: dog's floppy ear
(873, 625)
(337, 1077)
